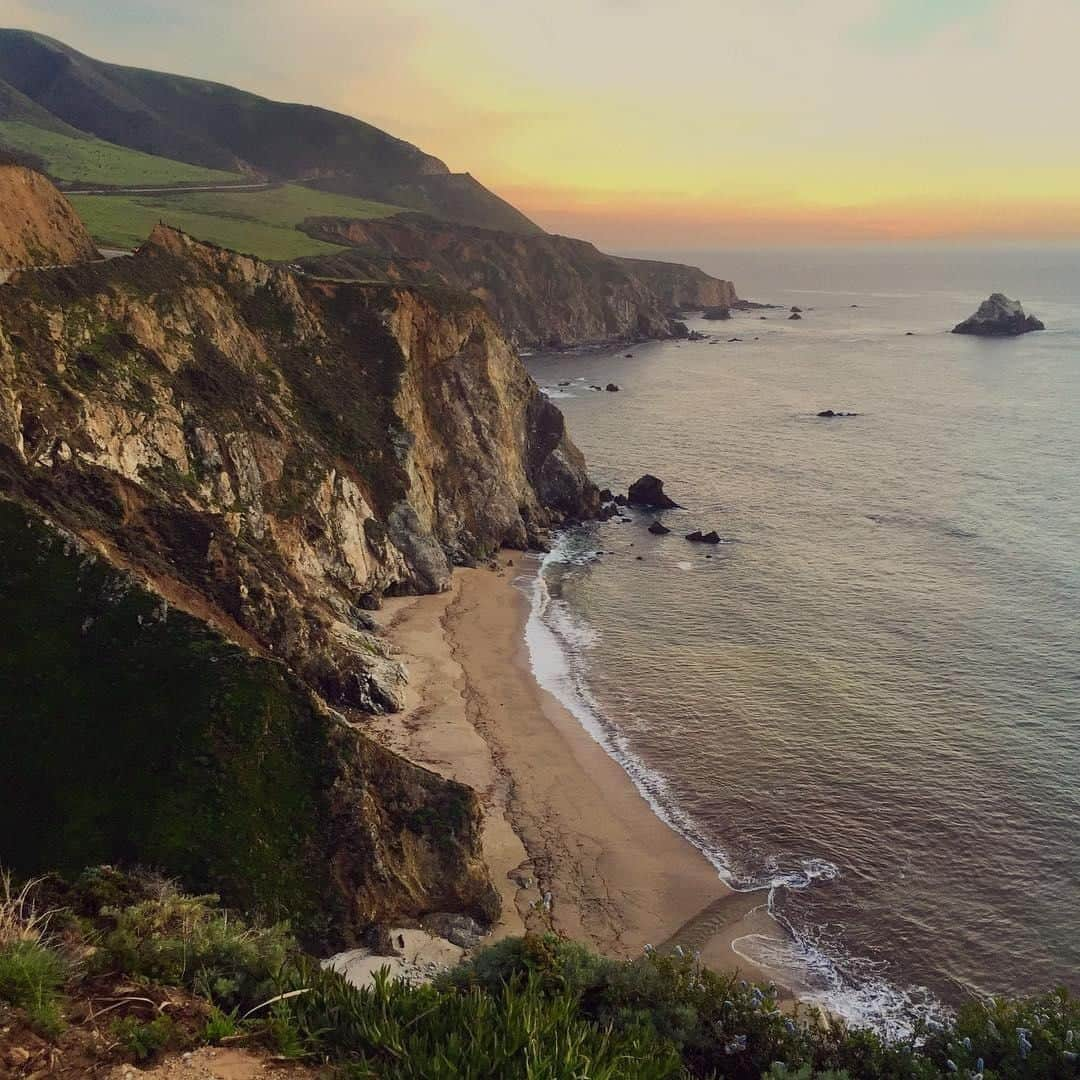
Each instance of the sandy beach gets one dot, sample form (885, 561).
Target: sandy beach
(571, 843)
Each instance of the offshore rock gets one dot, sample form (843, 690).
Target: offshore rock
(649, 491)
(998, 316)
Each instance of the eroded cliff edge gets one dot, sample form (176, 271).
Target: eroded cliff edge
(265, 455)
(545, 291)
(38, 226)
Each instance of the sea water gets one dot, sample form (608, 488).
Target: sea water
(865, 702)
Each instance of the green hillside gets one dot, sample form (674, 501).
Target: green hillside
(262, 223)
(222, 128)
(84, 159)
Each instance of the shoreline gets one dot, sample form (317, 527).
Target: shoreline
(570, 842)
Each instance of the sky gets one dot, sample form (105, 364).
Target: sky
(687, 124)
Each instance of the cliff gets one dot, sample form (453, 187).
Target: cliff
(682, 287)
(261, 456)
(38, 226)
(132, 732)
(545, 291)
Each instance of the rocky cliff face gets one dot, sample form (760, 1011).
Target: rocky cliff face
(683, 287)
(998, 316)
(132, 732)
(209, 469)
(38, 226)
(545, 291)
(269, 451)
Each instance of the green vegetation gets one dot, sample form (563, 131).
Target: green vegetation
(262, 223)
(31, 975)
(221, 775)
(85, 160)
(534, 1008)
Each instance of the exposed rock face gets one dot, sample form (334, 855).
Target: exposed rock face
(276, 448)
(649, 491)
(686, 287)
(38, 226)
(998, 316)
(131, 732)
(545, 291)
(222, 466)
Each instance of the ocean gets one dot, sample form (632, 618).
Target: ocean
(865, 702)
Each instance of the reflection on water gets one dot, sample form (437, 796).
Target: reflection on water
(880, 675)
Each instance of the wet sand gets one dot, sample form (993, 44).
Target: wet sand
(571, 843)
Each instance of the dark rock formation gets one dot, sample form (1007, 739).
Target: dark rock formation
(795, 309)
(794, 315)
(998, 316)
(612, 388)
(167, 745)
(716, 313)
(698, 537)
(830, 414)
(649, 491)
(658, 530)
(220, 465)
(683, 288)
(545, 291)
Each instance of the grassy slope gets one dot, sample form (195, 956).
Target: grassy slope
(84, 159)
(143, 736)
(260, 223)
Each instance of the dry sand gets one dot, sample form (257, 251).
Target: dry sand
(571, 843)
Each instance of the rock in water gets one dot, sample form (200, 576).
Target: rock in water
(794, 315)
(612, 388)
(649, 491)
(999, 316)
(658, 530)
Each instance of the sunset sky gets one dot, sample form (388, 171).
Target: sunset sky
(685, 124)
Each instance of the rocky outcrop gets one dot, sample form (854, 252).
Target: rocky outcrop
(38, 226)
(681, 287)
(131, 732)
(268, 450)
(648, 491)
(210, 470)
(998, 316)
(545, 291)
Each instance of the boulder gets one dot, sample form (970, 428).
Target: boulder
(831, 414)
(712, 537)
(612, 388)
(694, 537)
(649, 491)
(795, 309)
(998, 316)
(794, 315)
(658, 530)
(621, 500)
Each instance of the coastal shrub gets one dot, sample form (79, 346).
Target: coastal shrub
(144, 1039)
(1011, 1039)
(395, 1031)
(190, 941)
(31, 970)
(31, 975)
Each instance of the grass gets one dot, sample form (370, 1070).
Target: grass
(262, 223)
(87, 160)
(533, 1008)
(31, 972)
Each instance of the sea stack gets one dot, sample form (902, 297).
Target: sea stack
(999, 316)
